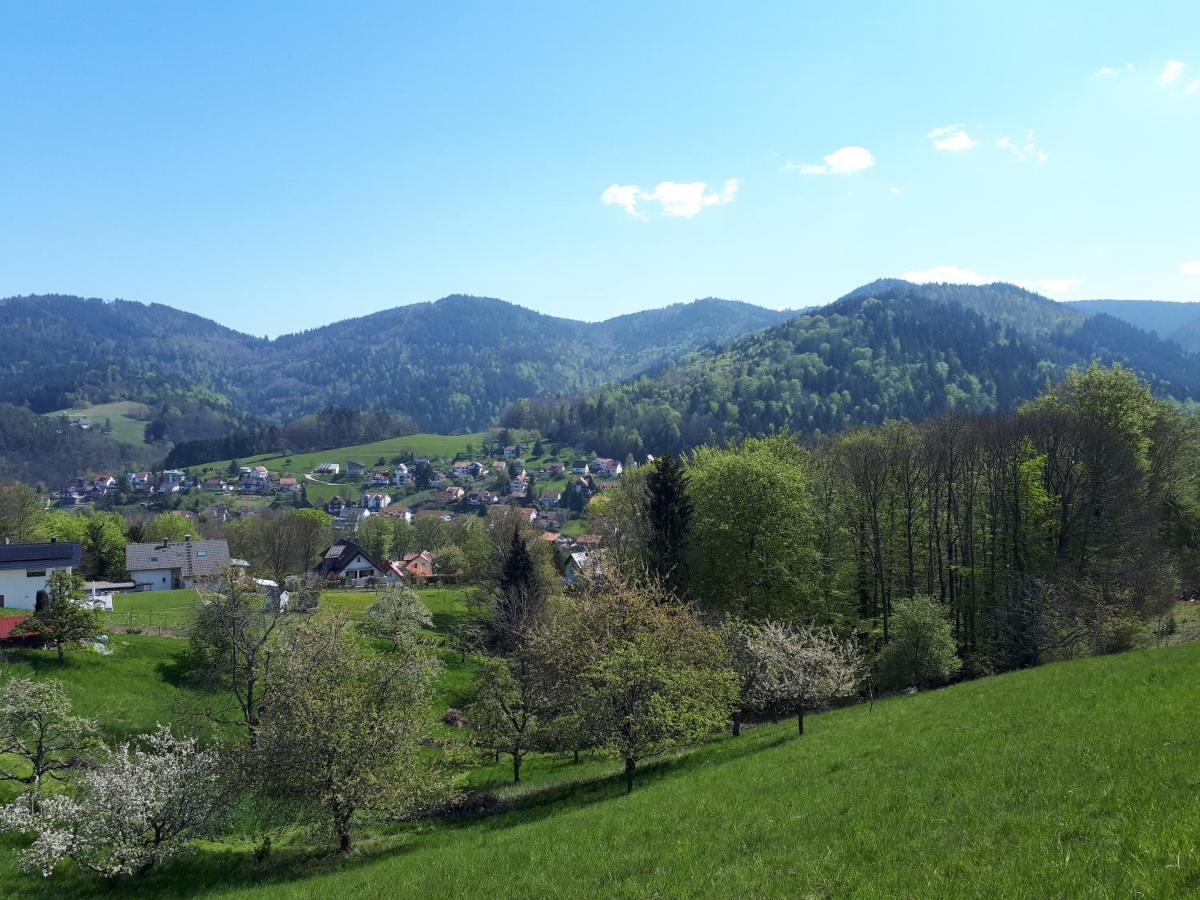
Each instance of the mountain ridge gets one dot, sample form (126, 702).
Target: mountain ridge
(453, 364)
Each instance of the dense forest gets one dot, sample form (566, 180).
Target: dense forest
(328, 428)
(887, 351)
(1177, 322)
(452, 365)
(1059, 529)
(48, 450)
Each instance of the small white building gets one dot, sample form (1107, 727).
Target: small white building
(25, 569)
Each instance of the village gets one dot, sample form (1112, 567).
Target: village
(431, 495)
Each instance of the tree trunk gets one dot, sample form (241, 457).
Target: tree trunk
(737, 723)
(630, 766)
(516, 768)
(576, 756)
(800, 720)
(61, 657)
(341, 825)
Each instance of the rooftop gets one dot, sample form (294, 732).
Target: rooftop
(53, 554)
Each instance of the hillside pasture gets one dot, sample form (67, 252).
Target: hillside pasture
(1074, 779)
(297, 464)
(127, 418)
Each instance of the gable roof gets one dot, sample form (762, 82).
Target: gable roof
(192, 558)
(340, 554)
(54, 554)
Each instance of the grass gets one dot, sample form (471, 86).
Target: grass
(1075, 779)
(171, 610)
(432, 445)
(574, 527)
(128, 691)
(128, 419)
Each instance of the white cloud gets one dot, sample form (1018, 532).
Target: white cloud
(1193, 87)
(962, 275)
(1110, 71)
(1171, 71)
(896, 190)
(843, 161)
(625, 196)
(1023, 150)
(681, 200)
(951, 138)
(1192, 267)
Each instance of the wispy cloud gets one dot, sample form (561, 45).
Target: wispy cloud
(962, 275)
(1110, 71)
(1023, 150)
(681, 200)
(1171, 71)
(951, 139)
(1193, 87)
(1191, 267)
(896, 190)
(843, 161)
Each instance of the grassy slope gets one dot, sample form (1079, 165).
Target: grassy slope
(431, 445)
(123, 415)
(1075, 779)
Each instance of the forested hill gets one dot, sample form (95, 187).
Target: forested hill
(891, 349)
(453, 364)
(1178, 322)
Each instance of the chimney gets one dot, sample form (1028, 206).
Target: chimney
(187, 537)
(53, 540)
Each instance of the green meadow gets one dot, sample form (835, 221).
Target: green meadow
(126, 417)
(297, 464)
(1075, 779)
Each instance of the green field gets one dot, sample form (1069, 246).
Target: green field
(148, 610)
(1075, 779)
(431, 445)
(128, 419)
(435, 446)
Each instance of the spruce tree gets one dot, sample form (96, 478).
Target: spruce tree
(669, 510)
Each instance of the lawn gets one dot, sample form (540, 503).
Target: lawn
(1075, 779)
(128, 419)
(148, 610)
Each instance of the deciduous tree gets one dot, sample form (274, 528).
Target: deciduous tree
(342, 733)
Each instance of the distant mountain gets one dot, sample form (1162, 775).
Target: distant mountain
(453, 364)
(1179, 322)
(886, 350)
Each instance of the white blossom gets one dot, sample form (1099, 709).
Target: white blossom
(146, 803)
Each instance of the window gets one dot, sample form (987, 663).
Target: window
(202, 553)
(35, 573)
(1, 601)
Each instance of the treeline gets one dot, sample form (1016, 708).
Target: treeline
(328, 428)
(50, 451)
(906, 353)
(1064, 528)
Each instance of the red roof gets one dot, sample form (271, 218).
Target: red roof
(8, 624)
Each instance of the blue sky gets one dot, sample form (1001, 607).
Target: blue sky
(278, 166)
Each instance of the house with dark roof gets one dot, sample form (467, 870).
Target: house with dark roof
(169, 565)
(350, 564)
(25, 569)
